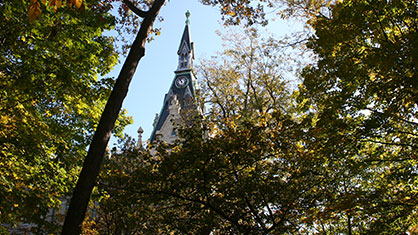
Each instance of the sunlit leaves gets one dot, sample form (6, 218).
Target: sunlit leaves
(362, 91)
(77, 3)
(246, 179)
(35, 7)
(246, 79)
(248, 12)
(46, 69)
(34, 10)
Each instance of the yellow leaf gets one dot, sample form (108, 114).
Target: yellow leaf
(34, 11)
(77, 3)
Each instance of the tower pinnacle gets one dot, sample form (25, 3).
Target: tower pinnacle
(187, 17)
(185, 51)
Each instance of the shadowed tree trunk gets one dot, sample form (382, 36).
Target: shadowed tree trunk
(87, 179)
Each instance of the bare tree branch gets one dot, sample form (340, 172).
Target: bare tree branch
(135, 9)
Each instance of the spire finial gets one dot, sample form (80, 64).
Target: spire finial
(187, 17)
(140, 131)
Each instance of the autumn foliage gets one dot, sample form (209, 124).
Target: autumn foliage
(35, 6)
(334, 154)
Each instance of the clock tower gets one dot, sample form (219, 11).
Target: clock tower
(180, 101)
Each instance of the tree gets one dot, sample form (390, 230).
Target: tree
(235, 12)
(247, 79)
(360, 100)
(344, 164)
(251, 176)
(92, 163)
(46, 68)
(87, 179)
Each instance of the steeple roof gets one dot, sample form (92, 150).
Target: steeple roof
(185, 39)
(180, 99)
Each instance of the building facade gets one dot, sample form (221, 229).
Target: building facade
(180, 103)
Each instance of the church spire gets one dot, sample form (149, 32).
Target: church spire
(186, 50)
(179, 103)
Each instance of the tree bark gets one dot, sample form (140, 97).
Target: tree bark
(91, 167)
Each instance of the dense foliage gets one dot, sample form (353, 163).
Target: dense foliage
(248, 179)
(343, 162)
(338, 156)
(227, 183)
(50, 102)
(360, 99)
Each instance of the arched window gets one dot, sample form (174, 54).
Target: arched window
(184, 57)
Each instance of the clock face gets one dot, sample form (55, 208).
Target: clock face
(181, 82)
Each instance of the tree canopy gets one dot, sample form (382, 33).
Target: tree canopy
(50, 60)
(342, 161)
(149, 12)
(46, 69)
(361, 101)
(336, 155)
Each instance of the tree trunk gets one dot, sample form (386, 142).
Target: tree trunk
(87, 179)
(349, 224)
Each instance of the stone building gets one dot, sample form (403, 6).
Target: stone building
(180, 103)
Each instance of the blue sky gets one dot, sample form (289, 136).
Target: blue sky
(155, 72)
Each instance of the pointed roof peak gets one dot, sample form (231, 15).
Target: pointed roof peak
(187, 17)
(186, 34)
